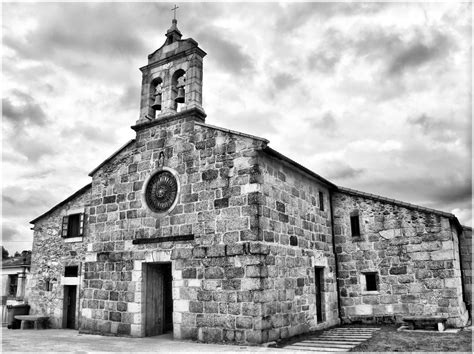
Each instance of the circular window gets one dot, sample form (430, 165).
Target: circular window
(161, 191)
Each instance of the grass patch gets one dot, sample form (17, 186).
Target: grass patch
(389, 340)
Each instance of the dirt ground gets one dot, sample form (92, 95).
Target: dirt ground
(389, 340)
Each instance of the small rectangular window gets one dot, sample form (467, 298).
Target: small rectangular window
(73, 225)
(71, 271)
(13, 285)
(355, 228)
(321, 201)
(371, 281)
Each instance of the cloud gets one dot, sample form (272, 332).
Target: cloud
(323, 61)
(418, 52)
(38, 174)
(283, 81)
(130, 97)
(226, 54)
(261, 124)
(400, 51)
(85, 132)
(27, 113)
(449, 193)
(98, 29)
(9, 232)
(340, 170)
(327, 124)
(293, 16)
(33, 149)
(23, 201)
(442, 129)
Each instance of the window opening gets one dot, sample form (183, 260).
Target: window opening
(355, 227)
(321, 201)
(71, 271)
(73, 225)
(371, 281)
(13, 285)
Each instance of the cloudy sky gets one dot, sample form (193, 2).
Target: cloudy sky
(372, 96)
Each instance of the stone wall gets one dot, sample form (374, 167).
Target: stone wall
(299, 237)
(465, 243)
(51, 253)
(216, 277)
(414, 254)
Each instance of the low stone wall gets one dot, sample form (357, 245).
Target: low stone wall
(413, 254)
(465, 246)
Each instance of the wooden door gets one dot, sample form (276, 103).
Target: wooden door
(158, 299)
(69, 309)
(319, 284)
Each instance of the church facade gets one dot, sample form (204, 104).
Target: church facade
(213, 235)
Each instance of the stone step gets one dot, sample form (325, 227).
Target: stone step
(325, 345)
(334, 341)
(348, 336)
(350, 332)
(341, 339)
(356, 329)
(315, 349)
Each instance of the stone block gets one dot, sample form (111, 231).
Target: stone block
(224, 321)
(420, 256)
(259, 248)
(251, 284)
(231, 284)
(211, 335)
(181, 305)
(204, 320)
(251, 309)
(452, 283)
(211, 307)
(115, 316)
(234, 272)
(433, 283)
(243, 322)
(398, 270)
(235, 249)
(216, 251)
(442, 255)
(213, 273)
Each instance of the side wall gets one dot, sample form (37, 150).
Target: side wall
(465, 245)
(300, 239)
(414, 254)
(50, 255)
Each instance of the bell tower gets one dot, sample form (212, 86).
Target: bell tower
(172, 80)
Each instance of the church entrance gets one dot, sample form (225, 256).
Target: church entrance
(158, 298)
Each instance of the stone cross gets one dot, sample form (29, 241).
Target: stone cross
(174, 9)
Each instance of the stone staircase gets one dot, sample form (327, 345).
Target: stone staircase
(341, 339)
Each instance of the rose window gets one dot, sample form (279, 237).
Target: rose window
(161, 191)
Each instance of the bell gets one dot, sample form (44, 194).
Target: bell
(157, 104)
(180, 96)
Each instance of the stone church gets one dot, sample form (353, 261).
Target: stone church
(217, 237)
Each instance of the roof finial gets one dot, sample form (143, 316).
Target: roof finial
(174, 9)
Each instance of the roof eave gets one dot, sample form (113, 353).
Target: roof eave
(280, 156)
(123, 147)
(80, 191)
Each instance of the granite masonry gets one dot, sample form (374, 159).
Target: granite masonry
(213, 235)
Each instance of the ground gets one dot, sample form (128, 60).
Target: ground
(389, 340)
(61, 340)
(69, 340)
